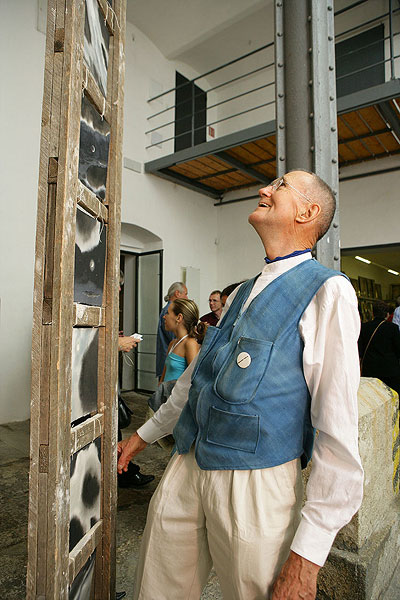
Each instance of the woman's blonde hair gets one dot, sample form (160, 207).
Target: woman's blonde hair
(189, 311)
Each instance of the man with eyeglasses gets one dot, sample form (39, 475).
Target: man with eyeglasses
(281, 363)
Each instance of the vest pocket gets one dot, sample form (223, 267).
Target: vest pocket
(237, 385)
(233, 430)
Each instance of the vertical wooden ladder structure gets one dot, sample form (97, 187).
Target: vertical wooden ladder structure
(71, 551)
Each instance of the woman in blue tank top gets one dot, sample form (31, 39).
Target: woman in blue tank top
(182, 318)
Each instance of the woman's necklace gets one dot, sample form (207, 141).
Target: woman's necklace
(178, 342)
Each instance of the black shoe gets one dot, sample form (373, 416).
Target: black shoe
(120, 595)
(136, 480)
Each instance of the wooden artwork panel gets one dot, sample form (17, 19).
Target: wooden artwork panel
(85, 351)
(85, 488)
(96, 44)
(94, 147)
(90, 259)
(81, 588)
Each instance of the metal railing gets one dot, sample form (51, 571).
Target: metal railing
(249, 91)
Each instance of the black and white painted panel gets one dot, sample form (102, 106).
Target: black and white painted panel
(85, 350)
(82, 585)
(90, 259)
(96, 44)
(94, 145)
(85, 482)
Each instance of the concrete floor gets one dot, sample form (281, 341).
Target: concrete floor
(132, 509)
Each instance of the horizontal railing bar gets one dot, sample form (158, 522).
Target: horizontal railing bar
(220, 85)
(243, 112)
(381, 62)
(198, 112)
(347, 8)
(377, 18)
(216, 87)
(369, 45)
(228, 64)
(164, 110)
(210, 124)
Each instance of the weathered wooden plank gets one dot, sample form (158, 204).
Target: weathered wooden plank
(35, 496)
(86, 432)
(109, 446)
(109, 15)
(89, 201)
(83, 550)
(92, 90)
(59, 40)
(45, 385)
(50, 241)
(42, 528)
(62, 309)
(56, 103)
(88, 316)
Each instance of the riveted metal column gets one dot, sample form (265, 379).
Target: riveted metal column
(325, 119)
(306, 99)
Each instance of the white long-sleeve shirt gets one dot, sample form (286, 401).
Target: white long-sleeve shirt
(329, 328)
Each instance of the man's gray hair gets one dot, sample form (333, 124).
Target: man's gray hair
(176, 286)
(319, 190)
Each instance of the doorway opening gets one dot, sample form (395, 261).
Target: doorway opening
(374, 272)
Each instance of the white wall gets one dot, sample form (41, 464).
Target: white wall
(193, 233)
(21, 76)
(370, 207)
(369, 216)
(184, 221)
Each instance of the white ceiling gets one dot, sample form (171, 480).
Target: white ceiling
(202, 33)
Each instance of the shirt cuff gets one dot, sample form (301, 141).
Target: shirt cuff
(150, 432)
(312, 543)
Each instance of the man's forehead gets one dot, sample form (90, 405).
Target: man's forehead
(297, 176)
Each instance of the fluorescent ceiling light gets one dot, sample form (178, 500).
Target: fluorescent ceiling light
(394, 272)
(363, 259)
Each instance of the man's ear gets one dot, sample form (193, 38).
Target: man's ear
(307, 212)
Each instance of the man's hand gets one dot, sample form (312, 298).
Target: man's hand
(297, 579)
(127, 449)
(126, 343)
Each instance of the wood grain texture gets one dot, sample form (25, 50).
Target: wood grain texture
(83, 550)
(89, 201)
(92, 90)
(86, 432)
(88, 316)
(35, 490)
(113, 199)
(51, 568)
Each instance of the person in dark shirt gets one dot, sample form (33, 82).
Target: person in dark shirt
(214, 302)
(379, 348)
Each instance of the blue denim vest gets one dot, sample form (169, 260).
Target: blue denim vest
(258, 416)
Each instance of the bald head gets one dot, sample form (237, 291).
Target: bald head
(319, 192)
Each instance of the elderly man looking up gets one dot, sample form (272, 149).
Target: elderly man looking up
(215, 305)
(164, 337)
(282, 362)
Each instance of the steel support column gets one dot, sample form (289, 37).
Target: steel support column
(306, 99)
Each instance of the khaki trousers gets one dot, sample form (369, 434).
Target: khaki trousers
(242, 522)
